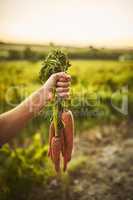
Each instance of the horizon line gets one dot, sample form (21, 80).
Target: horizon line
(64, 44)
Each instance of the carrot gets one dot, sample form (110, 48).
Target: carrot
(56, 150)
(51, 135)
(62, 142)
(55, 147)
(67, 118)
(52, 142)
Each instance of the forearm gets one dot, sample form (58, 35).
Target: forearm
(13, 121)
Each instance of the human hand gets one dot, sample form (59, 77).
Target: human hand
(61, 82)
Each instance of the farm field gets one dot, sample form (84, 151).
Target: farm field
(93, 83)
(103, 129)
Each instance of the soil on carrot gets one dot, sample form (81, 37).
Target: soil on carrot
(102, 166)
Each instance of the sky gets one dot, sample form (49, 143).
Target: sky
(77, 22)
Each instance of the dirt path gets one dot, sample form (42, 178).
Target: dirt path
(107, 171)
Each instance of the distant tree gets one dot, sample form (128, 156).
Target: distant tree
(51, 44)
(14, 55)
(124, 57)
(91, 47)
(29, 54)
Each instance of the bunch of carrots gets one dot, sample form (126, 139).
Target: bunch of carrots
(61, 131)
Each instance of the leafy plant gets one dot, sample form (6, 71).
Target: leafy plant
(23, 169)
(56, 61)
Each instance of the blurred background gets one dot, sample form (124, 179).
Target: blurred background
(98, 38)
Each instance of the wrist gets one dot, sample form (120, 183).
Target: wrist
(37, 100)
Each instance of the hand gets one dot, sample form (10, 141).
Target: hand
(61, 82)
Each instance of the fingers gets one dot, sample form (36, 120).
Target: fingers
(60, 89)
(63, 92)
(64, 95)
(63, 84)
(62, 76)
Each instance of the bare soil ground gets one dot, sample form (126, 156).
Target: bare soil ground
(105, 173)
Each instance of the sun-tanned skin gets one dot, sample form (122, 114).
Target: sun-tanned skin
(14, 120)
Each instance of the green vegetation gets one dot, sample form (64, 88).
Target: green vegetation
(55, 62)
(22, 169)
(93, 83)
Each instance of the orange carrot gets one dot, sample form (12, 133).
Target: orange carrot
(52, 147)
(67, 118)
(51, 135)
(56, 150)
(62, 142)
